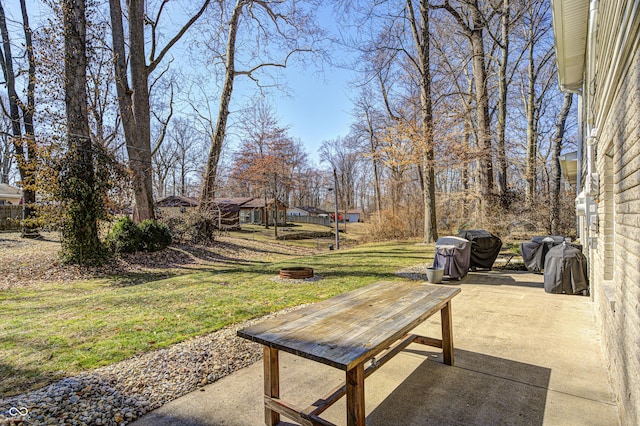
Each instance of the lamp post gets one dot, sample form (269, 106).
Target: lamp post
(335, 193)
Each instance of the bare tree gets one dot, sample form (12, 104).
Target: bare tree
(133, 97)
(6, 148)
(473, 23)
(267, 157)
(343, 156)
(80, 242)
(368, 127)
(420, 30)
(556, 173)
(287, 28)
(536, 83)
(21, 115)
(164, 161)
(188, 152)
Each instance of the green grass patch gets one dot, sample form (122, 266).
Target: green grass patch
(60, 329)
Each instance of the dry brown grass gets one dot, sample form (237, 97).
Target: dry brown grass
(27, 262)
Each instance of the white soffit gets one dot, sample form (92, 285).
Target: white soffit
(570, 30)
(569, 166)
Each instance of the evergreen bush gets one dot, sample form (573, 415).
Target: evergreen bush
(125, 236)
(155, 235)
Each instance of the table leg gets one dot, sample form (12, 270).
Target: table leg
(271, 383)
(355, 396)
(447, 334)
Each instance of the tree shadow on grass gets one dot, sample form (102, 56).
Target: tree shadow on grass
(14, 381)
(137, 278)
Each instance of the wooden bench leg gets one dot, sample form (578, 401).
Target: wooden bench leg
(355, 396)
(447, 334)
(271, 383)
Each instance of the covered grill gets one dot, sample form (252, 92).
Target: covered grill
(485, 247)
(535, 251)
(565, 270)
(453, 255)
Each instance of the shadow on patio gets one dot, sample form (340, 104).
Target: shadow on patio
(522, 357)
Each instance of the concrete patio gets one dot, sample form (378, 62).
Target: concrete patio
(522, 357)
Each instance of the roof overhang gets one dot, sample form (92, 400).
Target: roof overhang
(569, 166)
(570, 20)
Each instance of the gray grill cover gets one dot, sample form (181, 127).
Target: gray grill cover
(565, 270)
(534, 252)
(453, 254)
(485, 247)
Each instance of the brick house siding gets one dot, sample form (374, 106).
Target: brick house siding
(615, 246)
(610, 120)
(597, 47)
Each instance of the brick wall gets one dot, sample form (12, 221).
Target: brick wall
(615, 255)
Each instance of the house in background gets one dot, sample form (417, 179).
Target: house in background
(257, 210)
(355, 215)
(308, 215)
(598, 54)
(314, 211)
(10, 195)
(228, 209)
(297, 211)
(175, 204)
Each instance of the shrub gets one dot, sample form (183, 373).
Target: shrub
(155, 235)
(125, 236)
(193, 227)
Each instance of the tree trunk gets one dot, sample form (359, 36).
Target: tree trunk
(131, 102)
(208, 189)
(80, 241)
(134, 101)
(485, 160)
(532, 134)
(502, 101)
(140, 86)
(26, 159)
(421, 40)
(275, 205)
(555, 163)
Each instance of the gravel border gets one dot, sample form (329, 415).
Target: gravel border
(119, 393)
(416, 272)
(122, 392)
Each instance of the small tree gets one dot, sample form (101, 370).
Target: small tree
(20, 112)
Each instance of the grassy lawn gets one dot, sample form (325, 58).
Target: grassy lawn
(59, 329)
(354, 233)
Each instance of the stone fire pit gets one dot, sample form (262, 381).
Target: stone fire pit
(296, 273)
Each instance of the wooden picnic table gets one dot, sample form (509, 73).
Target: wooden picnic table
(367, 325)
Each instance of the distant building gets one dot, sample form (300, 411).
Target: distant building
(259, 211)
(297, 211)
(10, 195)
(355, 215)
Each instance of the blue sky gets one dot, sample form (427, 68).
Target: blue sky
(317, 107)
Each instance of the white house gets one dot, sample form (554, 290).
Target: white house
(297, 211)
(9, 195)
(597, 47)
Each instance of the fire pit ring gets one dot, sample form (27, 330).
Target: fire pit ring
(296, 273)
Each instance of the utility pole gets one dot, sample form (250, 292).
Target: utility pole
(335, 192)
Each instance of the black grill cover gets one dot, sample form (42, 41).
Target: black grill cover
(484, 247)
(565, 270)
(534, 252)
(453, 255)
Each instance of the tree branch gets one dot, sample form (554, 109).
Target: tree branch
(154, 62)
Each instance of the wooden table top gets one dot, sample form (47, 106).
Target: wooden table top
(352, 327)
